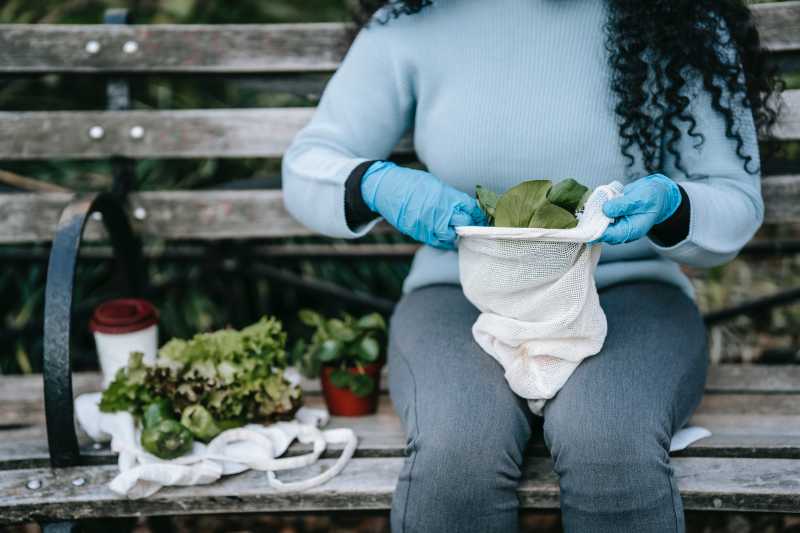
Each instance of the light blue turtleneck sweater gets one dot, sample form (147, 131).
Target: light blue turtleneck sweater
(501, 92)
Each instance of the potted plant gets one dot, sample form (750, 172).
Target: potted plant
(347, 355)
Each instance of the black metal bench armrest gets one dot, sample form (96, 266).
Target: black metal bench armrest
(57, 367)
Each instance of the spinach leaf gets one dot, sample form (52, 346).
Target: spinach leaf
(551, 216)
(535, 204)
(567, 194)
(487, 200)
(516, 207)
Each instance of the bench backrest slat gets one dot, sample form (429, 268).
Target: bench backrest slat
(788, 129)
(240, 48)
(779, 25)
(201, 215)
(236, 48)
(263, 132)
(209, 215)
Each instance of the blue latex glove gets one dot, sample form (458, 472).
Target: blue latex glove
(419, 204)
(644, 203)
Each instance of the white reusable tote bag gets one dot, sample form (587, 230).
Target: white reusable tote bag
(540, 312)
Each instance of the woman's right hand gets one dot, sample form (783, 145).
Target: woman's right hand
(419, 204)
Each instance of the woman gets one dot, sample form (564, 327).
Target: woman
(653, 94)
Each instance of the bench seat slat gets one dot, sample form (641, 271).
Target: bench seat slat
(241, 48)
(21, 397)
(260, 132)
(751, 436)
(761, 379)
(744, 425)
(705, 483)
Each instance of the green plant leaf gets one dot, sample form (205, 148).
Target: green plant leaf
(340, 378)
(567, 194)
(515, 208)
(372, 321)
(310, 318)
(551, 216)
(361, 384)
(340, 331)
(487, 200)
(368, 350)
(539, 204)
(298, 351)
(329, 350)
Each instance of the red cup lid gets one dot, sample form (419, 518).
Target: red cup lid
(124, 315)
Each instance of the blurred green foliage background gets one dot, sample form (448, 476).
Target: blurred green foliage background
(217, 288)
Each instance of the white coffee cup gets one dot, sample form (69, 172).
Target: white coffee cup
(120, 327)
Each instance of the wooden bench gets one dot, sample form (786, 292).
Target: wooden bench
(51, 475)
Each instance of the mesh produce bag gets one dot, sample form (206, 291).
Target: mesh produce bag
(540, 313)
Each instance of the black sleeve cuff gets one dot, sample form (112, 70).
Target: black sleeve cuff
(356, 211)
(676, 228)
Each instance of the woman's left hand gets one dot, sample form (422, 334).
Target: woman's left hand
(644, 203)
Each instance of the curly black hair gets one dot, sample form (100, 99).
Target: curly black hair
(655, 48)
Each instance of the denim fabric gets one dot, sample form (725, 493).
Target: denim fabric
(608, 429)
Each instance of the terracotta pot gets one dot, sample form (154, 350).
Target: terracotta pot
(342, 402)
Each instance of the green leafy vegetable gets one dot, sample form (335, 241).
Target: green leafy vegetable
(487, 200)
(567, 194)
(199, 421)
(213, 381)
(128, 391)
(535, 204)
(553, 217)
(517, 205)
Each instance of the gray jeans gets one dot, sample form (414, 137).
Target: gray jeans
(608, 429)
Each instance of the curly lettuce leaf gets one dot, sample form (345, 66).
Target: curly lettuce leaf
(228, 374)
(128, 391)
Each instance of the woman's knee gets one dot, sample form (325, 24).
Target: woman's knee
(621, 463)
(464, 463)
